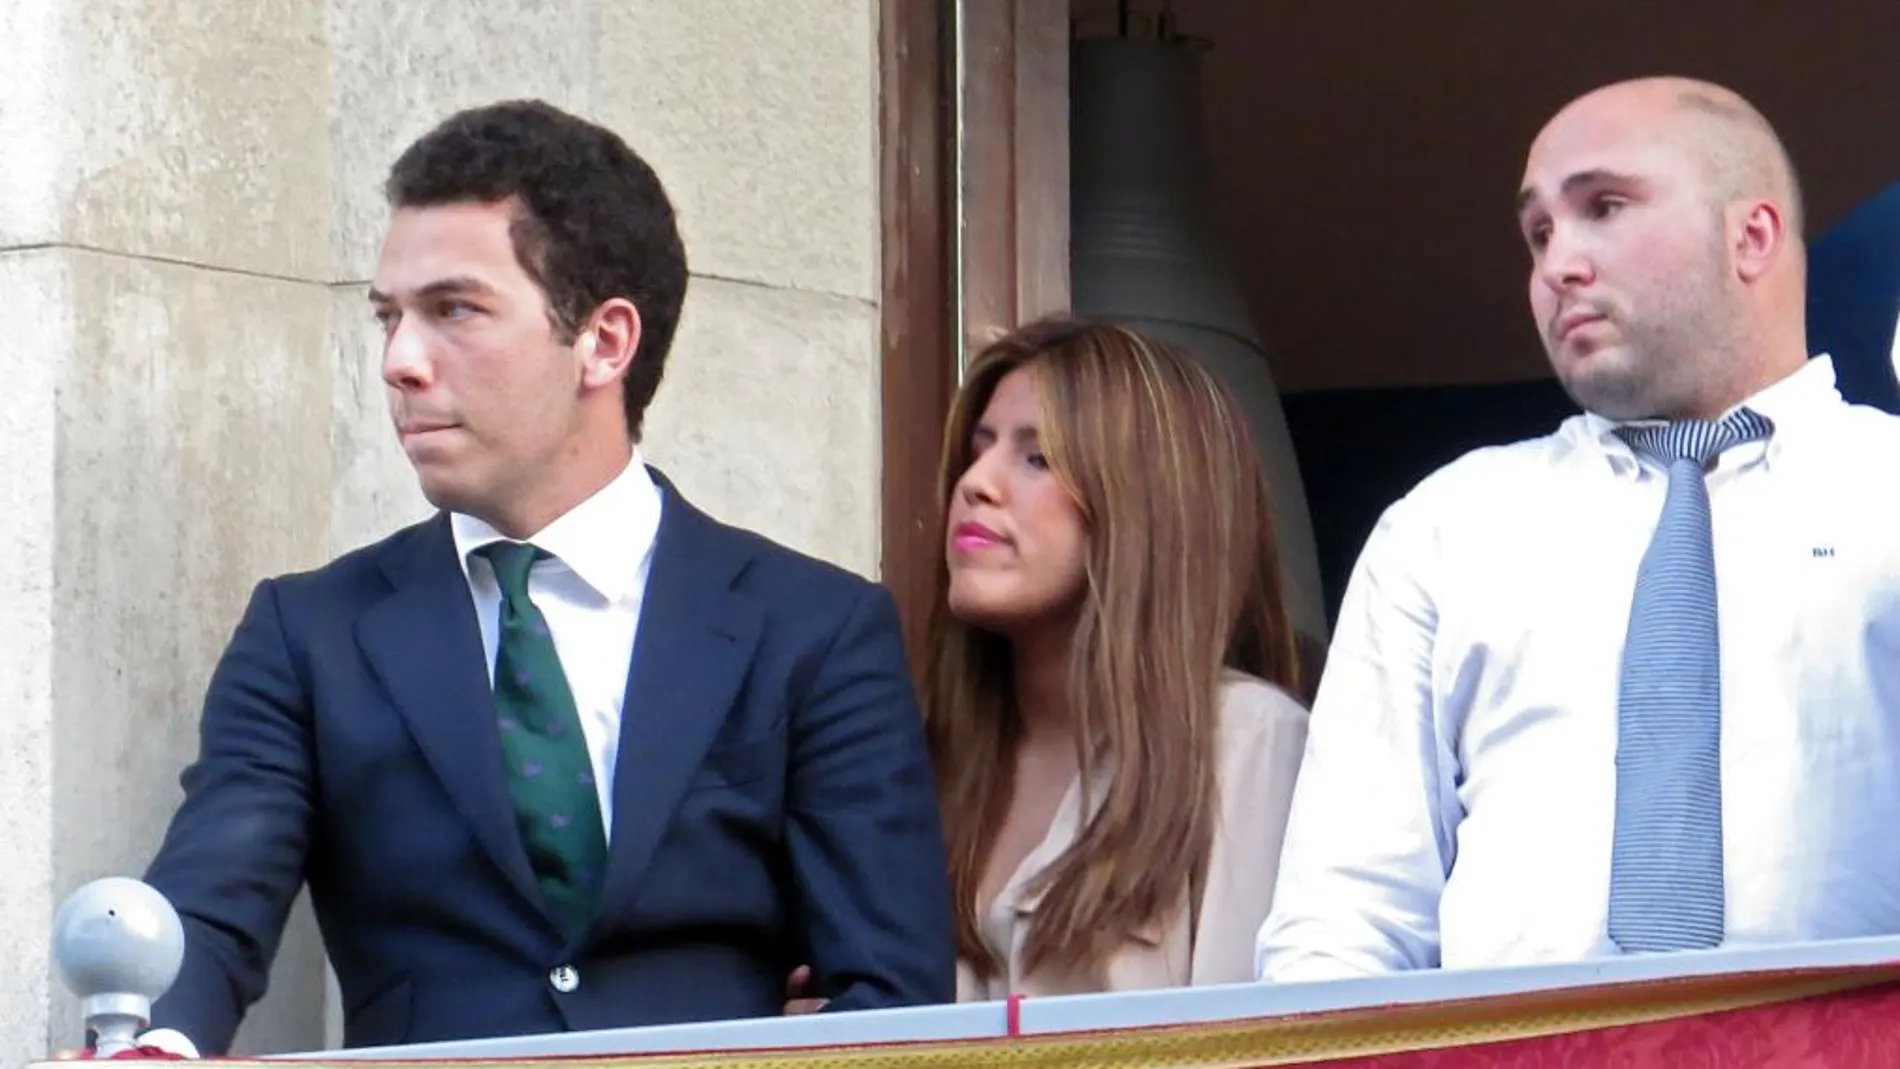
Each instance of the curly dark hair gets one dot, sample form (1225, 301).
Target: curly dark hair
(592, 220)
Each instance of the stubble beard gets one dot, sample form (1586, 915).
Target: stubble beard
(1626, 380)
(1664, 365)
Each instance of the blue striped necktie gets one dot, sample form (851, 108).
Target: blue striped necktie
(1666, 889)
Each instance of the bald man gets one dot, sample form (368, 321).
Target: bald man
(1632, 687)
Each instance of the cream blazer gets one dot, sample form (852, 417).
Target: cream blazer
(1262, 734)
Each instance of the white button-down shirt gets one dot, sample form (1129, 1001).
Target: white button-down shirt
(590, 592)
(1456, 802)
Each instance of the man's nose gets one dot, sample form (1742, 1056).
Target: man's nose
(1565, 262)
(406, 363)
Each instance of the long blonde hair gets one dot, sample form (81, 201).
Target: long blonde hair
(1183, 580)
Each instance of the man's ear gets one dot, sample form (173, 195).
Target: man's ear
(607, 343)
(1761, 238)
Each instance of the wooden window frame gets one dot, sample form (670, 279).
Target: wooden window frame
(974, 136)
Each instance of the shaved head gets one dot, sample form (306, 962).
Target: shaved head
(1744, 156)
(1736, 146)
(1668, 272)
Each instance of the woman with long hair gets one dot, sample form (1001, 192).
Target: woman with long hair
(1107, 693)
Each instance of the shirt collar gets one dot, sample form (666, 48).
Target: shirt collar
(1788, 403)
(593, 538)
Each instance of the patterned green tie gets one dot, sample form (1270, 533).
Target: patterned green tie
(541, 742)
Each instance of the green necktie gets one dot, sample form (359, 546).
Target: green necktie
(548, 769)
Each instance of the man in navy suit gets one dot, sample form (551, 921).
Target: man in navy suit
(571, 754)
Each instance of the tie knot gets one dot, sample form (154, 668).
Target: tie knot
(1696, 440)
(512, 561)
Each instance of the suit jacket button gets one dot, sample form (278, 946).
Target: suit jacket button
(564, 978)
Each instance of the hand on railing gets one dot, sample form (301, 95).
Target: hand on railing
(795, 1000)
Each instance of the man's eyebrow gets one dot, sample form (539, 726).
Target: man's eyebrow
(1572, 183)
(442, 287)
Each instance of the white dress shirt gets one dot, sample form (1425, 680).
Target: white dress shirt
(590, 591)
(1456, 802)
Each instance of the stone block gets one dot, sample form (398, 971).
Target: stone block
(768, 417)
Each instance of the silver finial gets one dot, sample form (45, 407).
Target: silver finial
(119, 946)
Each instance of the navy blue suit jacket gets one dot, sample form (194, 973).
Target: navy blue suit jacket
(773, 804)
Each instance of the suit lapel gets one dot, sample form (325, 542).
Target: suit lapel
(694, 646)
(425, 645)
